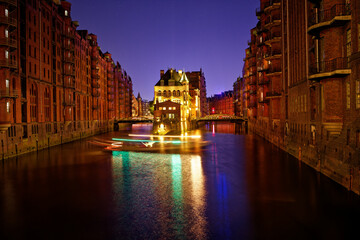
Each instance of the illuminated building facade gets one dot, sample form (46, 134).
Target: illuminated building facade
(221, 103)
(302, 88)
(174, 86)
(56, 85)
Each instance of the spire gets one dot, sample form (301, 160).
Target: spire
(184, 78)
(138, 95)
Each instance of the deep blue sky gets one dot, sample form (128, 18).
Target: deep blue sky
(145, 36)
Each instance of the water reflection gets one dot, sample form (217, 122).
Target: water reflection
(164, 194)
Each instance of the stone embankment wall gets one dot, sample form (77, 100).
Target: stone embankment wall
(332, 157)
(37, 136)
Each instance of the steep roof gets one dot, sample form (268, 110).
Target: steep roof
(171, 74)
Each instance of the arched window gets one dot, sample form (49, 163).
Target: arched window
(159, 93)
(47, 104)
(164, 93)
(178, 93)
(174, 93)
(33, 103)
(169, 93)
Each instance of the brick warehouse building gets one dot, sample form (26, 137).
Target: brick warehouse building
(56, 84)
(302, 84)
(222, 103)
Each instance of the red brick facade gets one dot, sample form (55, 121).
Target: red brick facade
(302, 89)
(55, 83)
(221, 103)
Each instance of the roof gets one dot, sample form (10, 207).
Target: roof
(172, 74)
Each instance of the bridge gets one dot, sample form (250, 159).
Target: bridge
(135, 120)
(221, 117)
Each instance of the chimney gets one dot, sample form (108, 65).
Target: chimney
(161, 73)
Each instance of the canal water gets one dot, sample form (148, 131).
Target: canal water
(238, 187)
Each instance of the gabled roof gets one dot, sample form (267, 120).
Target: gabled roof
(171, 74)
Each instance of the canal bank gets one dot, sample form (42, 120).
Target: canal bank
(20, 139)
(332, 156)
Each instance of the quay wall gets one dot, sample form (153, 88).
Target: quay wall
(333, 157)
(41, 136)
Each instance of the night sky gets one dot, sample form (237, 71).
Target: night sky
(145, 36)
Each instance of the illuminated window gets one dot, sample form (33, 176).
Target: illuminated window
(170, 108)
(7, 85)
(348, 95)
(6, 54)
(359, 37)
(6, 12)
(8, 107)
(6, 33)
(164, 108)
(357, 93)
(66, 13)
(160, 108)
(174, 108)
(348, 44)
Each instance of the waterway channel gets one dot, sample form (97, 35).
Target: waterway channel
(238, 187)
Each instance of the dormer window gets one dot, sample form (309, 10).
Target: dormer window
(66, 13)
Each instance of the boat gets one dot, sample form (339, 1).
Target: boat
(141, 144)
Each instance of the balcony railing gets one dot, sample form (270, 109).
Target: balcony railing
(8, 21)
(69, 72)
(95, 76)
(69, 35)
(336, 13)
(271, 3)
(69, 103)
(12, 2)
(252, 105)
(96, 94)
(70, 59)
(330, 67)
(263, 80)
(273, 53)
(274, 70)
(69, 83)
(9, 94)
(273, 94)
(8, 64)
(95, 84)
(8, 42)
(70, 47)
(252, 80)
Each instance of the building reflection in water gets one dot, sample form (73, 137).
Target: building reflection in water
(222, 198)
(160, 195)
(177, 194)
(198, 194)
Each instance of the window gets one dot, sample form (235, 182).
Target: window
(33, 103)
(6, 54)
(8, 107)
(348, 44)
(357, 93)
(66, 13)
(7, 85)
(348, 95)
(6, 12)
(6, 33)
(164, 108)
(359, 37)
(47, 104)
